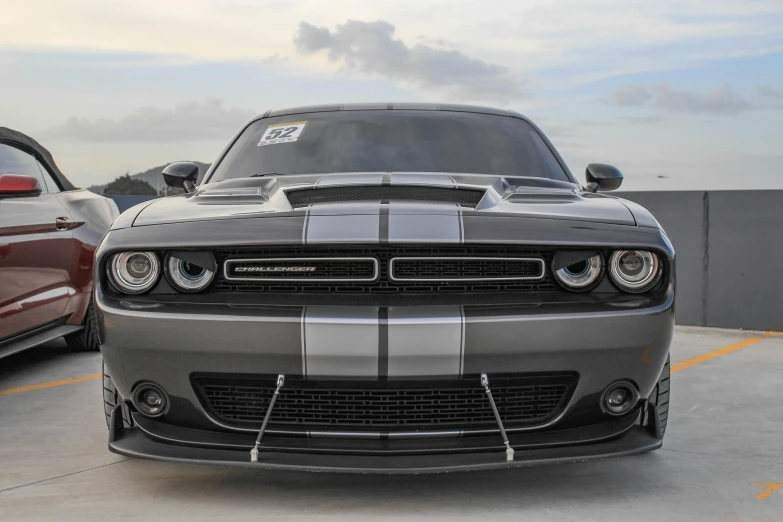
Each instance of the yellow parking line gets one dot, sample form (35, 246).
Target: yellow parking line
(771, 487)
(51, 384)
(721, 352)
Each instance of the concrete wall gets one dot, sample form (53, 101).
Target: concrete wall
(683, 217)
(729, 254)
(729, 248)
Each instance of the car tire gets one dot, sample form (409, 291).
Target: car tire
(660, 395)
(86, 339)
(111, 399)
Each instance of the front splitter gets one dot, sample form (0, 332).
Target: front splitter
(132, 442)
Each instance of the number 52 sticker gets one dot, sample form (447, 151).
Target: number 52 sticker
(282, 133)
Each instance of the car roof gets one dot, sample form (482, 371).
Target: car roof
(389, 106)
(27, 143)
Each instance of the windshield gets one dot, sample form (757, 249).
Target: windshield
(390, 141)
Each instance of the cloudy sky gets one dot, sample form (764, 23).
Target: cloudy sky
(676, 93)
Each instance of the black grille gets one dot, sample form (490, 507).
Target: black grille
(463, 197)
(466, 268)
(313, 269)
(383, 284)
(387, 406)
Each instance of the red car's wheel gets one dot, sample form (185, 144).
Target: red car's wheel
(87, 338)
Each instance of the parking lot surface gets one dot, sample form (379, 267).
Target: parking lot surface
(722, 457)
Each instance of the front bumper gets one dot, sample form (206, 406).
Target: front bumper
(156, 441)
(167, 342)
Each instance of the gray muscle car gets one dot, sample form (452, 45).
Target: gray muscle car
(386, 288)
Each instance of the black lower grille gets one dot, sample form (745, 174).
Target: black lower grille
(384, 406)
(384, 284)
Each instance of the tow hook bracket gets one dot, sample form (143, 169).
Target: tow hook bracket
(509, 449)
(254, 451)
(116, 425)
(654, 421)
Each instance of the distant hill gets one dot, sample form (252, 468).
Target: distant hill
(152, 176)
(128, 186)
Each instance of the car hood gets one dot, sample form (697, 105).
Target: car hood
(267, 196)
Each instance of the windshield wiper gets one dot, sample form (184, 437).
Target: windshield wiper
(265, 174)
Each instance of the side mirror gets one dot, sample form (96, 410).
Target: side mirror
(16, 186)
(182, 174)
(603, 177)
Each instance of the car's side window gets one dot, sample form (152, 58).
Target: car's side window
(16, 161)
(51, 183)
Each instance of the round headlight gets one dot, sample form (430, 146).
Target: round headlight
(634, 270)
(133, 272)
(187, 276)
(581, 276)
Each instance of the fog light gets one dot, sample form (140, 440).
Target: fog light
(150, 400)
(619, 398)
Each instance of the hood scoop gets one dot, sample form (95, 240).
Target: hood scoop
(241, 191)
(461, 196)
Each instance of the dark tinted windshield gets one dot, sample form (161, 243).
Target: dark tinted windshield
(390, 141)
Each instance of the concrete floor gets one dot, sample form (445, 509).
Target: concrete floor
(725, 432)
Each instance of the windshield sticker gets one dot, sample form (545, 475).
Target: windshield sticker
(282, 133)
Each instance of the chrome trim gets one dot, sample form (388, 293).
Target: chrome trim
(376, 270)
(468, 279)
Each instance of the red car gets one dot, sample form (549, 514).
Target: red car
(49, 230)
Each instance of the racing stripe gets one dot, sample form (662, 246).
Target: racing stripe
(380, 343)
(358, 179)
(425, 341)
(340, 341)
(425, 222)
(348, 222)
(423, 178)
(383, 223)
(306, 223)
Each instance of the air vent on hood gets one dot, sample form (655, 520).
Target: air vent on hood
(463, 197)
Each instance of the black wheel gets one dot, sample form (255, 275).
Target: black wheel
(86, 339)
(111, 399)
(660, 395)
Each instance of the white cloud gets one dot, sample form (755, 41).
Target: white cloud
(185, 122)
(370, 47)
(722, 100)
(602, 37)
(631, 95)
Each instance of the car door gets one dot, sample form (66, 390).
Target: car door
(36, 249)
